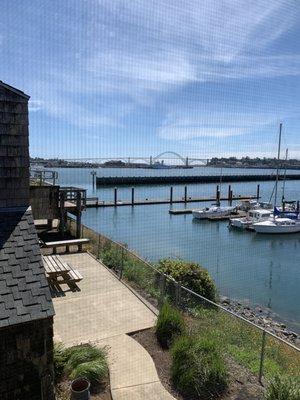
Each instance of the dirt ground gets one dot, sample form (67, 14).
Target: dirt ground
(243, 385)
(101, 392)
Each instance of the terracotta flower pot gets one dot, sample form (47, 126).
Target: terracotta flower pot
(80, 389)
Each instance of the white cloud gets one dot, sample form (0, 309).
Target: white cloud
(188, 124)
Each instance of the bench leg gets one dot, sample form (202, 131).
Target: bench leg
(54, 250)
(79, 247)
(67, 248)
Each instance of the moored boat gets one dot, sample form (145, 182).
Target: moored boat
(252, 217)
(277, 225)
(213, 211)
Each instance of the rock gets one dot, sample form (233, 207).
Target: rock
(225, 300)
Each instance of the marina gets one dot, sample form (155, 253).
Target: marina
(250, 268)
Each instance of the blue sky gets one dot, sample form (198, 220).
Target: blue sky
(118, 78)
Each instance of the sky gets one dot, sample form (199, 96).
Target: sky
(112, 78)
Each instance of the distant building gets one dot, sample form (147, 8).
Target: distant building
(26, 310)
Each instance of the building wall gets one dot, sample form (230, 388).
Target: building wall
(14, 153)
(44, 201)
(26, 361)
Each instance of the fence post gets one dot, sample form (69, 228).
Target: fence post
(262, 356)
(122, 263)
(162, 284)
(99, 246)
(177, 294)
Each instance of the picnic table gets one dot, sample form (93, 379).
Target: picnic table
(60, 271)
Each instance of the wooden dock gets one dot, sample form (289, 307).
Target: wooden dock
(119, 203)
(238, 214)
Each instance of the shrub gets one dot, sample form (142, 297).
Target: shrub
(112, 257)
(60, 358)
(95, 371)
(198, 368)
(190, 275)
(82, 354)
(283, 388)
(170, 324)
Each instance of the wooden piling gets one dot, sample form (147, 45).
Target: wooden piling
(185, 194)
(230, 197)
(229, 190)
(171, 194)
(115, 196)
(258, 192)
(132, 196)
(218, 195)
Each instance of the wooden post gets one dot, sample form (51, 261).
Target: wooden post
(185, 194)
(231, 196)
(171, 194)
(229, 191)
(115, 196)
(78, 214)
(62, 213)
(258, 192)
(218, 195)
(132, 196)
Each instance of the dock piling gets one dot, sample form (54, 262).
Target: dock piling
(258, 192)
(171, 194)
(115, 196)
(132, 196)
(218, 195)
(185, 194)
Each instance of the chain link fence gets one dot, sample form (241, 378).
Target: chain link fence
(252, 346)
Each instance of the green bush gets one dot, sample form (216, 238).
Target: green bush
(95, 371)
(112, 256)
(198, 368)
(190, 275)
(283, 388)
(170, 324)
(60, 358)
(81, 354)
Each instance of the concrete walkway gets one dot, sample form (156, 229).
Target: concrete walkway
(132, 371)
(103, 312)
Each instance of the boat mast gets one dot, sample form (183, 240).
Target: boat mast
(283, 186)
(278, 159)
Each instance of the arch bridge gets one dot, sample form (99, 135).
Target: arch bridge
(172, 158)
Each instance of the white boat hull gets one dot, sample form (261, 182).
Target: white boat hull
(276, 229)
(204, 214)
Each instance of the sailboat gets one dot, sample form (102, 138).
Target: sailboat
(278, 224)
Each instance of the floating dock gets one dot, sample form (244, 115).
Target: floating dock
(119, 203)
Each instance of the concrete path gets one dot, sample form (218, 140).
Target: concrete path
(103, 312)
(133, 374)
(103, 307)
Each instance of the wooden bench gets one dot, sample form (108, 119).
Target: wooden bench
(66, 244)
(75, 275)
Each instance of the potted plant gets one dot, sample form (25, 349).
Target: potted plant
(80, 389)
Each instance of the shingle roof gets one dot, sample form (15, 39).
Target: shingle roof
(13, 89)
(24, 292)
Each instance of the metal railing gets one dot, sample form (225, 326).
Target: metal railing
(73, 195)
(42, 177)
(251, 345)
